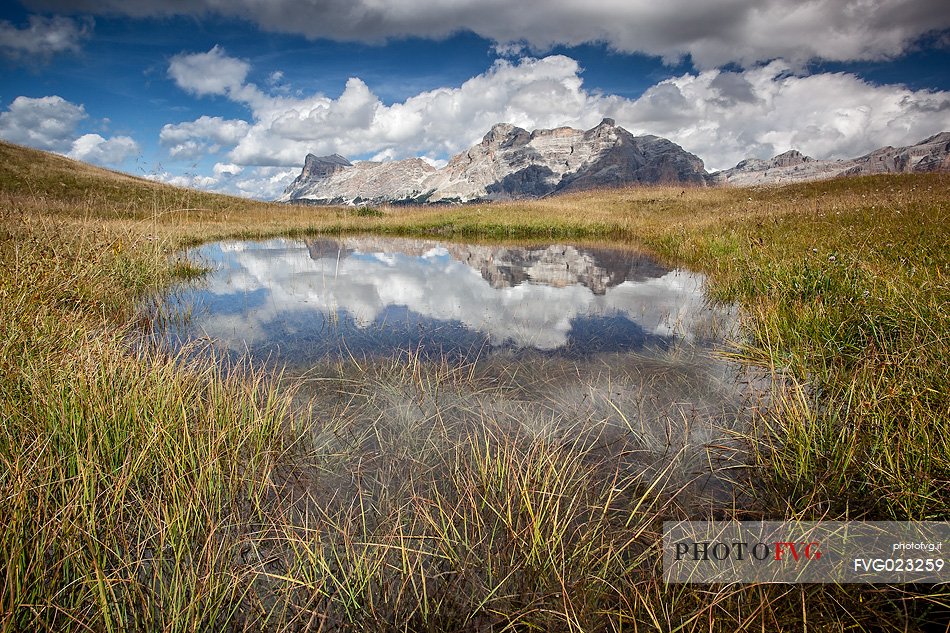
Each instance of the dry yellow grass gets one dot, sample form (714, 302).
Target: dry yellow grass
(142, 492)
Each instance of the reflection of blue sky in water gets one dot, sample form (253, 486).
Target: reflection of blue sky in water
(674, 402)
(376, 295)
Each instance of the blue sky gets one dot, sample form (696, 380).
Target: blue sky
(231, 96)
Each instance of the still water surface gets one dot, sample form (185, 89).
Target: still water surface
(300, 301)
(598, 346)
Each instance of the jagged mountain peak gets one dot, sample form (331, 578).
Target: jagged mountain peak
(314, 161)
(791, 157)
(929, 155)
(319, 166)
(509, 163)
(942, 137)
(501, 131)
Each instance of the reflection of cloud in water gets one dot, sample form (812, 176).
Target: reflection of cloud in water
(264, 290)
(668, 411)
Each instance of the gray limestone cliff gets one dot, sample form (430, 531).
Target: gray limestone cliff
(509, 163)
(930, 155)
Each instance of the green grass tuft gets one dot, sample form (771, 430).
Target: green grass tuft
(142, 491)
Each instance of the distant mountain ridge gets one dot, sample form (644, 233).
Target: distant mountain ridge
(929, 155)
(512, 163)
(509, 163)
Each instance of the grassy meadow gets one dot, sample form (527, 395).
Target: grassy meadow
(144, 491)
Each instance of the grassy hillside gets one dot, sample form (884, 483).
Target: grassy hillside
(139, 491)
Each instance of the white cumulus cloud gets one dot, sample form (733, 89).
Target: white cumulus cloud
(531, 92)
(203, 135)
(42, 37)
(211, 73)
(45, 123)
(265, 183)
(93, 148)
(722, 116)
(226, 170)
(50, 123)
(261, 182)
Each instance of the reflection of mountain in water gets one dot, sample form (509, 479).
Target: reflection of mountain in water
(570, 336)
(369, 295)
(505, 267)
(327, 249)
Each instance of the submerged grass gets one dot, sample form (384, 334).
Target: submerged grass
(142, 491)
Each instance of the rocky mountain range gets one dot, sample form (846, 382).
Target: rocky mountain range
(506, 267)
(509, 163)
(512, 163)
(930, 155)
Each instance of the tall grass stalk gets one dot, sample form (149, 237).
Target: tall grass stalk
(141, 490)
